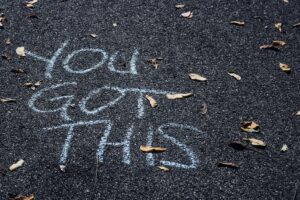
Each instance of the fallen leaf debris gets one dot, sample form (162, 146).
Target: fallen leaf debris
(151, 149)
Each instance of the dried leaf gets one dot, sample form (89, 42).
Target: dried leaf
(298, 113)
(278, 43)
(38, 83)
(197, 77)
(21, 197)
(5, 99)
(234, 75)
(179, 6)
(93, 35)
(227, 164)
(29, 4)
(16, 165)
(150, 149)
(187, 14)
(152, 101)
(20, 51)
(204, 109)
(18, 71)
(62, 168)
(255, 142)
(238, 23)
(250, 127)
(284, 67)
(163, 168)
(296, 25)
(269, 46)
(237, 145)
(179, 96)
(33, 86)
(278, 26)
(284, 148)
(7, 41)
(155, 62)
(286, 1)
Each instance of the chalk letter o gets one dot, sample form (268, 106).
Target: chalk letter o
(70, 56)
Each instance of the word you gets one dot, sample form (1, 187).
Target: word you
(50, 62)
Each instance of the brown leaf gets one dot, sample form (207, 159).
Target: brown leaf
(155, 62)
(187, 14)
(163, 168)
(16, 165)
(234, 75)
(21, 197)
(152, 101)
(150, 149)
(204, 109)
(278, 26)
(179, 6)
(255, 142)
(21, 51)
(296, 25)
(179, 95)
(30, 4)
(237, 145)
(269, 46)
(284, 148)
(7, 41)
(238, 23)
(227, 164)
(197, 77)
(33, 86)
(250, 126)
(284, 67)
(278, 43)
(5, 99)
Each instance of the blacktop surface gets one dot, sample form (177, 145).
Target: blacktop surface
(37, 129)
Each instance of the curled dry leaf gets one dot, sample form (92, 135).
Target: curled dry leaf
(278, 43)
(16, 165)
(187, 14)
(204, 109)
(20, 51)
(234, 75)
(296, 25)
(163, 168)
(93, 35)
(284, 67)
(62, 168)
(179, 6)
(284, 148)
(197, 77)
(5, 99)
(178, 96)
(238, 23)
(155, 62)
(286, 1)
(227, 164)
(21, 197)
(250, 126)
(29, 4)
(278, 26)
(255, 142)
(237, 145)
(152, 101)
(2, 19)
(33, 86)
(298, 113)
(268, 46)
(150, 149)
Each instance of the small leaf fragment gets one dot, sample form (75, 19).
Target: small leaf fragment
(178, 96)
(7, 41)
(179, 6)
(20, 51)
(33, 86)
(204, 109)
(21, 197)
(197, 77)
(284, 148)
(16, 165)
(250, 127)
(187, 14)
(29, 4)
(298, 113)
(152, 101)
(268, 46)
(278, 26)
(296, 25)
(163, 168)
(234, 75)
(255, 142)
(238, 23)
(278, 43)
(62, 168)
(286, 1)
(237, 145)
(2, 19)
(284, 67)
(93, 35)
(227, 164)
(155, 62)
(5, 99)
(151, 149)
